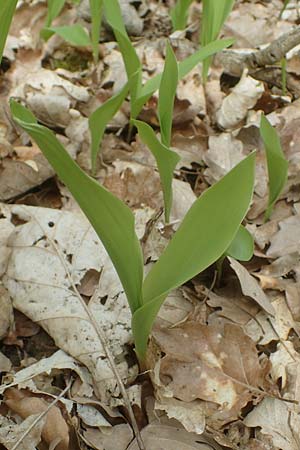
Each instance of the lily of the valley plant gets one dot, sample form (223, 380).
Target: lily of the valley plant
(203, 237)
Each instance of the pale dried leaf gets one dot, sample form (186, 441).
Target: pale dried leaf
(250, 286)
(92, 417)
(50, 97)
(287, 239)
(10, 432)
(223, 154)
(49, 243)
(275, 418)
(59, 360)
(242, 98)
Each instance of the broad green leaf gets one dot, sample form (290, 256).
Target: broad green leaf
(167, 92)
(204, 235)
(166, 161)
(179, 14)
(74, 34)
(96, 7)
(214, 14)
(184, 67)
(111, 218)
(277, 164)
(99, 119)
(7, 9)
(242, 246)
(54, 8)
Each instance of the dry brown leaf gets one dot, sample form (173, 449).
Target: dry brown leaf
(162, 437)
(278, 420)
(204, 362)
(117, 438)
(55, 425)
(250, 287)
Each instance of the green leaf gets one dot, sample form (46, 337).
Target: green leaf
(7, 10)
(277, 164)
(111, 218)
(54, 8)
(74, 34)
(99, 119)
(132, 63)
(113, 16)
(179, 14)
(204, 235)
(167, 92)
(242, 246)
(96, 7)
(166, 161)
(184, 67)
(214, 14)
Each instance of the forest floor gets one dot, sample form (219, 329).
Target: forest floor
(224, 355)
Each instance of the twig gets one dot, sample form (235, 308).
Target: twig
(42, 415)
(235, 61)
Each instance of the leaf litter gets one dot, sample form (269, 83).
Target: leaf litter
(223, 358)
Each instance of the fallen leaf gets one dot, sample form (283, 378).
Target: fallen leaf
(117, 438)
(223, 154)
(54, 427)
(287, 239)
(50, 97)
(275, 418)
(204, 362)
(162, 437)
(242, 98)
(250, 286)
(11, 432)
(62, 247)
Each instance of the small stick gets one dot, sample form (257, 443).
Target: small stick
(42, 415)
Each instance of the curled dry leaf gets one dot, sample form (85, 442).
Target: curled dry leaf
(277, 419)
(50, 97)
(242, 98)
(251, 287)
(207, 363)
(10, 432)
(59, 360)
(54, 428)
(51, 253)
